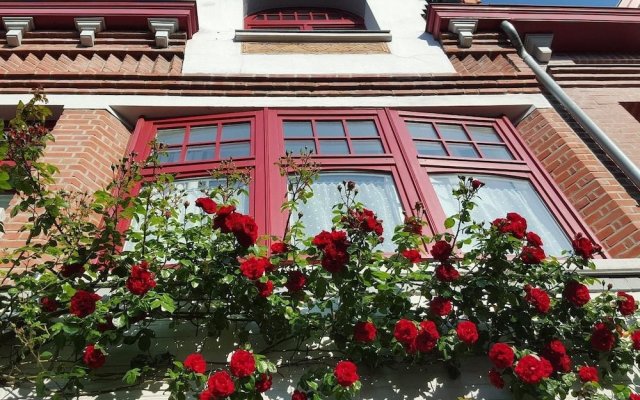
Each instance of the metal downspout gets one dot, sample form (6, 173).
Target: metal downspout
(613, 151)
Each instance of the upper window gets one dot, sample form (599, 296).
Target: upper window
(304, 19)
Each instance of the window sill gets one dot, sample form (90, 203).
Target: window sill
(334, 36)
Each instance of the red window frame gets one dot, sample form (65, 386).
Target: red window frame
(304, 19)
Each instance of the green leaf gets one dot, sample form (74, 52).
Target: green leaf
(131, 376)
(167, 304)
(449, 223)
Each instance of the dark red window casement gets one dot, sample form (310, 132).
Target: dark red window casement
(304, 19)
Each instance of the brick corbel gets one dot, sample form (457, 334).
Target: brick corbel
(162, 28)
(464, 28)
(16, 27)
(88, 27)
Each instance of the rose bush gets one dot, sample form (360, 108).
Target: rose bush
(75, 292)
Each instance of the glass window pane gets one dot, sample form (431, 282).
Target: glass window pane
(170, 136)
(419, 130)
(296, 147)
(329, 129)
(362, 129)
(297, 129)
(430, 149)
(462, 150)
(497, 152)
(5, 199)
(334, 147)
(452, 132)
(234, 150)
(169, 156)
(203, 134)
(502, 195)
(367, 146)
(236, 131)
(197, 153)
(484, 134)
(375, 190)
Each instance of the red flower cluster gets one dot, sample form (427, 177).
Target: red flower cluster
(602, 339)
(264, 382)
(531, 369)
(254, 267)
(428, 336)
(626, 303)
(501, 355)
(298, 395)
(576, 293)
(556, 353)
(412, 255)
(72, 270)
(219, 386)
(48, 304)
(141, 280)
(513, 224)
(334, 247)
(588, 374)
(346, 373)
(265, 289)
(441, 250)
(538, 298)
(440, 306)
(243, 227)
(532, 255)
(366, 221)
(447, 273)
(207, 205)
(405, 332)
(83, 303)
(635, 338)
(583, 247)
(365, 332)
(195, 362)
(242, 363)
(496, 379)
(295, 281)
(467, 332)
(412, 225)
(92, 357)
(279, 248)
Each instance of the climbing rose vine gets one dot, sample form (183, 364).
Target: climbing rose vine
(80, 298)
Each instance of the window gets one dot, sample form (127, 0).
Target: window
(304, 19)
(333, 136)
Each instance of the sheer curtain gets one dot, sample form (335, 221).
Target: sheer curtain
(502, 195)
(375, 190)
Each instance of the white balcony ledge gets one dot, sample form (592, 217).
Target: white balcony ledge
(328, 36)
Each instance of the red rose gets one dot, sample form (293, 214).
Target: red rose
(532, 255)
(244, 228)
(264, 382)
(441, 250)
(93, 358)
(334, 247)
(602, 339)
(48, 304)
(265, 289)
(626, 304)
(140, 280)
(295, 281)
(588, 374)
(207, 205)
(533, 239)
(220, 220)
(501, 355)
(196, 363)
(346, 373)
(242, 363)
(220, 385)
(556, 353)
(413, 225)
(576, 293)
(447, 273)
(253, 268)
(206, 395)
(513, 224)
(440, 306)
(72, 270)
(364, 332)
(298, 395)
(412, 255)
(496, 379)
(583, 247)
(531, 369)
(635, 338)
(405, 331)
(366, 221)
(467, 332)
(83, 303)
(538, 298)
(279, 248)
(428, 336)
(476, 184)
(634, 396)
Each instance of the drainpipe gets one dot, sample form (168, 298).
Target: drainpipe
(613, 151)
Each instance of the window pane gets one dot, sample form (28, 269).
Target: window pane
(203, 134)
(201, 153)
(330, 129)
(234, 150)
(430, 149)
(502, 195)
(334, 147)
(462, 150)
(452, 132)
(419, 130)
(297, 129)
(236, 131)
(171, 136)
(376, 191)
(362, 128)
(484, 134)
(296, 147)
(367, 147)
(497, 152)
(5, 199)
(169, 156)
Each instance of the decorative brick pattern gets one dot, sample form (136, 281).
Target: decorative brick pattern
(479, 65)
(605, 205)
(314, 48)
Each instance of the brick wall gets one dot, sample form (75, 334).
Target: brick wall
(602, 201)
(87, 143)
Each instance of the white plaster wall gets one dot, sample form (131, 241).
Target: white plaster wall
(213, 51)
